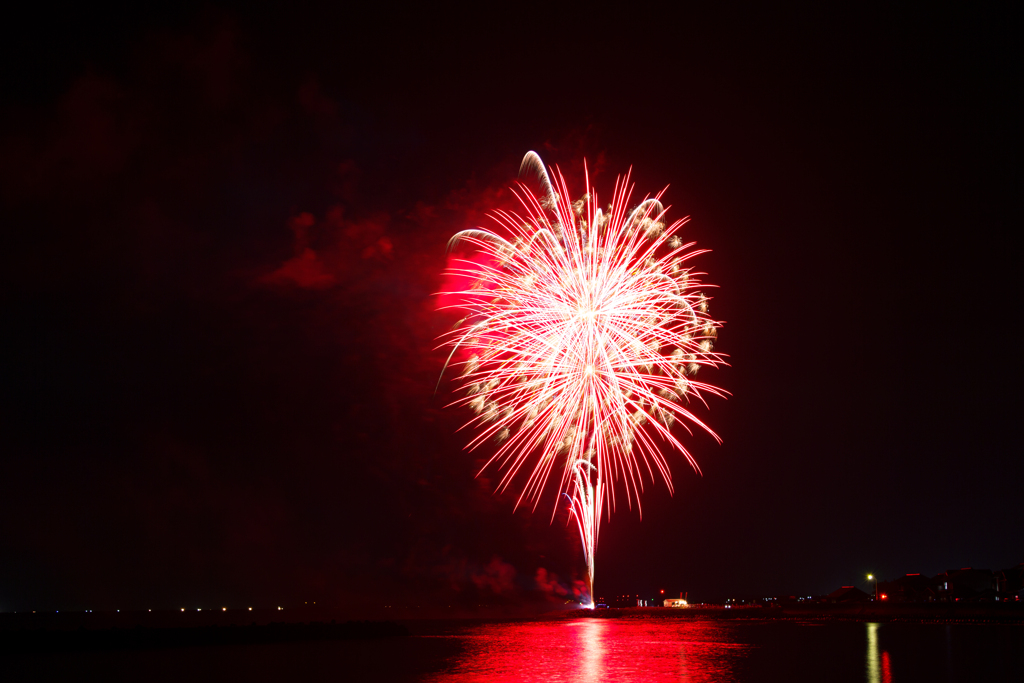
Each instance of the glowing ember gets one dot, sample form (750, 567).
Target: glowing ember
(584, 331)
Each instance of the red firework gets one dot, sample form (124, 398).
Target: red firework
(586, 328)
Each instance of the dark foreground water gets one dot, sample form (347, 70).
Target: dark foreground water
(578, 650)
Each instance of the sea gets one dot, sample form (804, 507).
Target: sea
(578, 650)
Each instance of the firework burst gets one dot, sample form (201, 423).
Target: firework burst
(584, 331)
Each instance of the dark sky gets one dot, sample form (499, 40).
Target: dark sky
(222, 228)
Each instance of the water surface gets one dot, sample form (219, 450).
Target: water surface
(685, 650)
(695, 651)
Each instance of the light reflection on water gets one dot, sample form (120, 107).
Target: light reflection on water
(879, 669)
(736, 650)
(599, 650)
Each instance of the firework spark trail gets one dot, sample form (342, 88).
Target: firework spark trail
(585, 329)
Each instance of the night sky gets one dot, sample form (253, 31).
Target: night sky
(223, 227)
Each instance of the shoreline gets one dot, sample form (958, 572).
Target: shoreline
(28, 637)
(943, 613)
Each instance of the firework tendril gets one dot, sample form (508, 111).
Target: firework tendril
(584, 330)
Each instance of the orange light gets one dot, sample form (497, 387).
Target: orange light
(884, 596)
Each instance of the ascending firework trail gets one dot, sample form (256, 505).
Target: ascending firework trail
(583, 335)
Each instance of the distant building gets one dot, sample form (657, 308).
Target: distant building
(967, 585)
(909, 588)
(1010, 584)
(956, 585)
(847, 594)
(630, 601)
(676, 602)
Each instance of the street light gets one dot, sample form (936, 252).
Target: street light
(870, 577)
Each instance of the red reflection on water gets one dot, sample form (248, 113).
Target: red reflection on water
(886, 668)
(599, 650)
